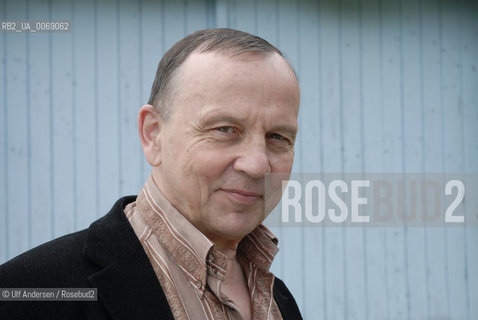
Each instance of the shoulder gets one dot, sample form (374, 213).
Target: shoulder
(55, 264)
(51, 264)
(62, 262)
(285, 301)
(68, 262)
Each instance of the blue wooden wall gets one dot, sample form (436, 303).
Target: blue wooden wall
(387, 86)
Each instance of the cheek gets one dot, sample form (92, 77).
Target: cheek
(282, 163)
(206, 167)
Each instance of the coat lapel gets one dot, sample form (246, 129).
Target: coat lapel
(126, 282)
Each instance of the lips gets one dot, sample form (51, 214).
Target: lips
(242, 196)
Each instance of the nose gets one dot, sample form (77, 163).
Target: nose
(253, 160)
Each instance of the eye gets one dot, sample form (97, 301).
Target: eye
(226, 132)
(226, 129)
(277, 140)
(276, 136)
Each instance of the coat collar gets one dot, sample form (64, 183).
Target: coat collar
(126, 282)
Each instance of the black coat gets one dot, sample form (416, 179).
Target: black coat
(107, 256)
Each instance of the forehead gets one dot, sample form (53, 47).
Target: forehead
(217, 72)
(227, 58)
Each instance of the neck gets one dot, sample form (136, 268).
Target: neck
(229, 253)
(224, 245)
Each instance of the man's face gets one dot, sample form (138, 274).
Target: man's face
(233, 119)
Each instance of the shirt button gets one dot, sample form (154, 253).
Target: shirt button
(211, 258)
(198, 284)
(213, 270)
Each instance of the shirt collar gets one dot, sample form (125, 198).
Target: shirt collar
(191, 249)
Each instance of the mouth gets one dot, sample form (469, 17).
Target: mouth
(243, 196)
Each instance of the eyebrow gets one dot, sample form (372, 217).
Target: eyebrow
(208, 119)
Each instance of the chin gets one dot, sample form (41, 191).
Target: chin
(235, 221)
(238, 229)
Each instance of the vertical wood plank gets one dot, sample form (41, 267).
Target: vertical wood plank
(130, 101)
(243, 15)
(267, 20)
(332, 148)
(17, 133)
(85, 131)
(469, 78)
(61, 61)
(107, 102)
(413, 154)
(391, 100)
(174, 22)
(352, 131)
(4, 141)
(376, 276)
(452, 108)
(437, 293)
(196, 15)
(40, 129)
(222, 13)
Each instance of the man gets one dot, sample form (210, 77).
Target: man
(222, 115)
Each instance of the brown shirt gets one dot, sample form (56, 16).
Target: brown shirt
(189, 268)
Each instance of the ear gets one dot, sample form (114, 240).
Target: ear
(149, 127)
